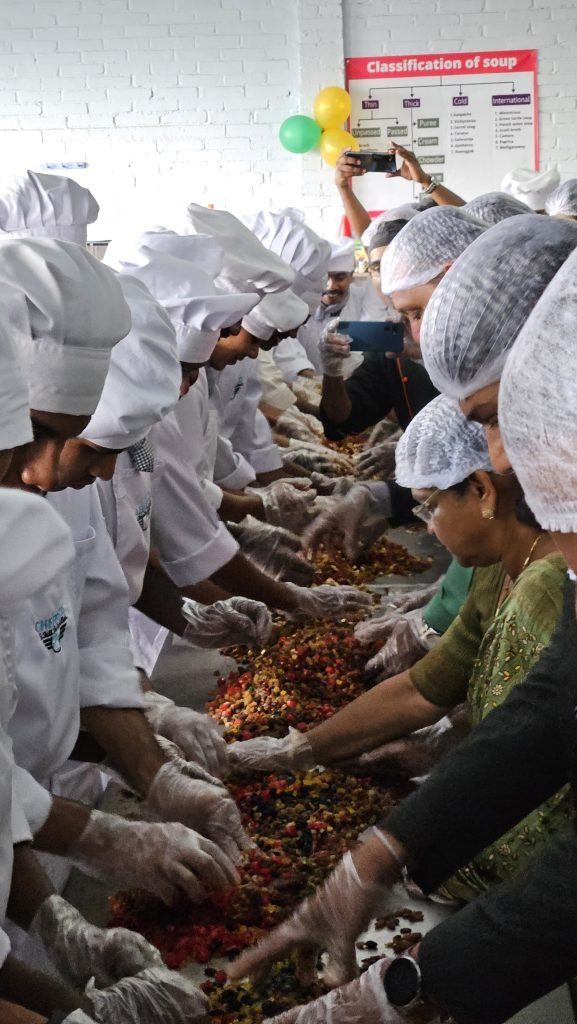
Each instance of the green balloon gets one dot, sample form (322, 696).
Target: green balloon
(298, 134)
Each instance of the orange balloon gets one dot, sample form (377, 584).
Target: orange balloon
(334, 141)
(332, 107)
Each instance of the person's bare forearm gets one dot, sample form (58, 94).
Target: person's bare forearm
(128, 740)
(444, 197)
(161, 599)
(39, 992)
(30, 887)
(241, 576)
(391, 709)
(358, 217)
(63, 826)
(335, 400)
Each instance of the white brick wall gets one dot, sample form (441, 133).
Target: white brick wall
(170, 101)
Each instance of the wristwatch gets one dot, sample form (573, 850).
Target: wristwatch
(402, 983)
(433, 184)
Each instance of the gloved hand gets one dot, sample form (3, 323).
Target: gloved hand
(189, 768)
(275, 550)
(417, 754)
(150, 997)
(327, 602)
(300, 425)
(167, 859)
(288, 505)
(308, 393)
(380, 627)
(292, 753)
(357, 521)
(377, 461)
(81, 951)
(318, 460)
(413, 597)
(384, 430)
(198, 736)
(209, 810)
(334, 350)
(237, 620)
(410, 639)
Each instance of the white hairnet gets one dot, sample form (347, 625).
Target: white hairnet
(538, 404)
(426, 244)
(440, 448)
(478, 309)
(342, 259)
(15, 425)
(563, 201)
(46, 205)
(143, 381)
(493, 207)
(531, 187)
(76, 314)
(370, 236)
(281, 311)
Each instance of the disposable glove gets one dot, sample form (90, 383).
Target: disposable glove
(410, 639)
(384, 430)
(332, 485)
(381, 626)
(237, 620)
(78, 1017)
(209, 810)
(273, 549)
(357, 521)
(191, 769)
(150, 997)
(288, 505)
(81, 951)
(197, 736)
(334, 350)
(317, 458)
(167, 859)
(292, 753)
(328, 602)
(377, 461)
(417, 754)
(300, 425)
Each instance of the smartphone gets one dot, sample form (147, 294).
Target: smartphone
(374, 335)
(373, 160)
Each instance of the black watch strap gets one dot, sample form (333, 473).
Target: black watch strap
(402, 983)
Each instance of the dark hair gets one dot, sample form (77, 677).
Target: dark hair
(523, 513)
(385, 232)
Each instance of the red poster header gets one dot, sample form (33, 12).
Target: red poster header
(422, 65)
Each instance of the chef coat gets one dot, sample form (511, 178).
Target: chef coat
(126, 502)
(236, 394)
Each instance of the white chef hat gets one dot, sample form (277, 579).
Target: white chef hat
(15, 425)
(166, 263)
(342, 259)
(419, 252)
(538, 404)
(474, 316)
(563, 201)
(405, 212)
(285, 234)
(440, 448)
(46, 205)
(279, 311)
(246, 261)
(531, 187)
(76, 314)
(143, 381)
(493, 207)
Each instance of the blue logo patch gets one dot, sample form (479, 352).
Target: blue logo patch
(142, 513)
(239, 384)
(52, 630)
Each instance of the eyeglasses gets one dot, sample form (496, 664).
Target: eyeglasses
(424, 511)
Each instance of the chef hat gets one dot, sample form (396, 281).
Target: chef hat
(285, 234)
(165, 263)
(531, 187)
(342, 260)
(143, 381)
(493, 207)
(563, 201)
(538, 404)
(478, 309)
(246, 261)
(15, 426)
(420, 251)
(76, 314)
(440, 448)
(405, 212)
(281, 311)
(46, 205)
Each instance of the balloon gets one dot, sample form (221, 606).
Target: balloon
(334, 141)
(298, 134)
(332, 107)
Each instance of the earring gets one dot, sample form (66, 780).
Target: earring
(488, 513)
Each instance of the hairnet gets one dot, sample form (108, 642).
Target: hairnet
(76, 314)
(563, 201)
(440, 448)
(402, 214)
(493, 207)
(47, 205)
(383, 232)
(15, 426)
(478, 309)
(425, 245)
(538, 404)
(280, 311)
(531, 187)
(143, 381)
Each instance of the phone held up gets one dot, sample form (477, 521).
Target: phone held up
(373, 160)
(374, 335)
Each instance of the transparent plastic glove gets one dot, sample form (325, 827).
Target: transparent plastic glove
(334, 350)
(330, 919)
(417, 754)
(191, 769)
(292, 753)
(81, 951)
(413, 597)
(384, 430)
(153, 996)
(381, 626)
(209, 810)
(300, 425)
(287, 505)
(377, 461)
(410, 639)
(355, 521)
(237, 620)
(168, 859)
(318, 459)
(275, 550)
(78, 1017)
(197, 735)
(332, 485)
(328, 602)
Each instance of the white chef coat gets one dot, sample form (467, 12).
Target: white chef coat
(126, 502)
(236, 393)
(274, 390)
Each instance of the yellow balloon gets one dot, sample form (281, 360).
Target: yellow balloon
(332, 107)
(334, 141)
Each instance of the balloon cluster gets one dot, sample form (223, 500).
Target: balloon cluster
(332, 107)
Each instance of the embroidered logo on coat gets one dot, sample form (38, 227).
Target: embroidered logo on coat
(52, 630)
(239, 384)
(142, 513)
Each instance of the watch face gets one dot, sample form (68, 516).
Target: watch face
(402, 982)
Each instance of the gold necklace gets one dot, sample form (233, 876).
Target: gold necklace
(509, 583)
